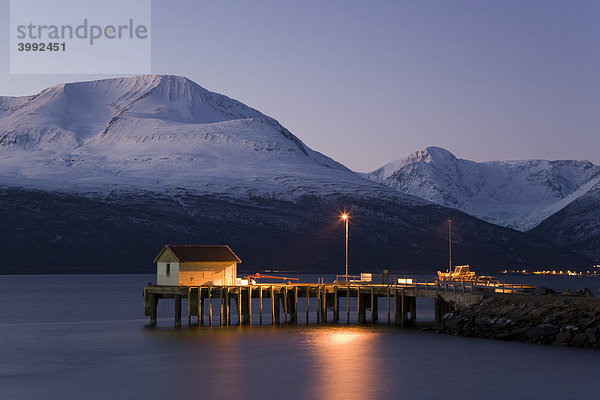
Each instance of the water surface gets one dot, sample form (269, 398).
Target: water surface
(85, 337)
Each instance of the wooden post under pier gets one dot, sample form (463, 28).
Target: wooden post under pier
(413, 308)
(324, 304)
(277, 301)
(178, 310)
(250, 305)
(348, 304)
(189, 304)
(336, 305)
(373, 306)
(210, 311)
(404, 308)
(223, 314)
(239, 304)
(285, 304)
(246, 304)
(295, 306)
(153, 309)
(228, 296)
(307, 303)
(387, 295)
(361, 312)
(260, 297)
(397, 307)
(200, 307)
(272, 306)
(318, 298)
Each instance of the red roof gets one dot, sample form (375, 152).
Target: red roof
(199, 253)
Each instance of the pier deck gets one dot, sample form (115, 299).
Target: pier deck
(212, 305)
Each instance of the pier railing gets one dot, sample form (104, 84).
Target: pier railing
(462, 286)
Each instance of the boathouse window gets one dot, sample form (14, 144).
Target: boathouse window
(168, 273)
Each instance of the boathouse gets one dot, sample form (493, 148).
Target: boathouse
(195, 265)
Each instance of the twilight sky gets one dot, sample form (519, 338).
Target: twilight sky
(367, 82)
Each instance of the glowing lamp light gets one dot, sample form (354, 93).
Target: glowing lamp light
(344, 216)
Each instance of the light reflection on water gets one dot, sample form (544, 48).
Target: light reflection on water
(344, 357)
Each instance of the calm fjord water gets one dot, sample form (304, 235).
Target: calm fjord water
(85, 337)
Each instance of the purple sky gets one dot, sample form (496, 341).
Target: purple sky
(368, 82)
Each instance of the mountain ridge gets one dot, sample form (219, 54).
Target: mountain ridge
(126, 130)
(518, 194)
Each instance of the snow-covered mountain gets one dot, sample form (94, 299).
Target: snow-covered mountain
(517, 194)
(577, 225)
(159, 132)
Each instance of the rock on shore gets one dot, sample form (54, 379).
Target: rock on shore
(547, 319)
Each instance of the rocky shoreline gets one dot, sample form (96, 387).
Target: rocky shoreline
(570, 319)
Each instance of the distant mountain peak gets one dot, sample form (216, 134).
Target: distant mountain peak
(518, 194)
(433, 153)
(76, 112)
(161, 131)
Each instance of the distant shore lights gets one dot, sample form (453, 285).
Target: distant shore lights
(346, 218)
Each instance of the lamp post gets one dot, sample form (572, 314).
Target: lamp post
(345, 218)
(450, 245)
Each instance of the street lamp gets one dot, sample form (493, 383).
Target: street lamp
(345, 218)
(450, 245)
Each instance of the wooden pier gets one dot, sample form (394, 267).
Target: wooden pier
(214, 305)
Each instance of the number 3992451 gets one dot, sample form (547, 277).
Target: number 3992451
(42, 46)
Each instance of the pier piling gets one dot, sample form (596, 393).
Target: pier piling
(189, 304)
(277, 301)
(285, 298)
(200, 308)
(260, 297)
(272, 306)
(307, 303)
(387, 295)
(348, 304)
(397, 307)
(374, 309)
(404, 307)
(210, 309)
(295, 306)
(336, 305)
(318, 298)
(177, 310)
(154, 305)
(361, 307)
(223, 309)
(239, 305)
(324, 305)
